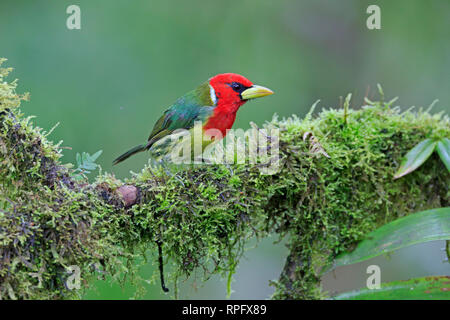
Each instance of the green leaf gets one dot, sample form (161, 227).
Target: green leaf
(86, 163)
(88, 166)
(443, 149)
(415, 228)
(96, 155)
(416, 157)
(427, 288)
(84, 157)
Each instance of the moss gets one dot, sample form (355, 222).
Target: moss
(204, 215)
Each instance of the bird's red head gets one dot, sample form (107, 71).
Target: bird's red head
(230, 91)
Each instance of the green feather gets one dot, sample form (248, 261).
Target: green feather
(195, 105)
(129, 153)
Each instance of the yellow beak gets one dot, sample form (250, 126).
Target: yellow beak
(255, 92)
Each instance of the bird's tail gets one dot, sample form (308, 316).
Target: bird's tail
(129, 153)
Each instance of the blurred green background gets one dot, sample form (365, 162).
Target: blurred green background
(108, 82)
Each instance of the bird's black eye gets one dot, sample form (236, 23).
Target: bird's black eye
(236, 86)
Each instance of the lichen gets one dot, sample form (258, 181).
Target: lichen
(203, 215)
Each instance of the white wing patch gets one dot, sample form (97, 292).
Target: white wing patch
(213, 94)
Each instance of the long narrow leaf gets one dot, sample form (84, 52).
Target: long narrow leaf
(443, 149)
(416, 228)
(428, 288)
(416, 157)
(96, 155)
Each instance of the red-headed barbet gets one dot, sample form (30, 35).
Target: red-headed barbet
(213, 105)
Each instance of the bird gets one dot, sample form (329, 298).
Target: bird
(207, 112)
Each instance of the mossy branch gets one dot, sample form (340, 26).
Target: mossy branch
(335, 185)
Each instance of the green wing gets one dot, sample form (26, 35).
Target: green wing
(178, 117)
(195, 105)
